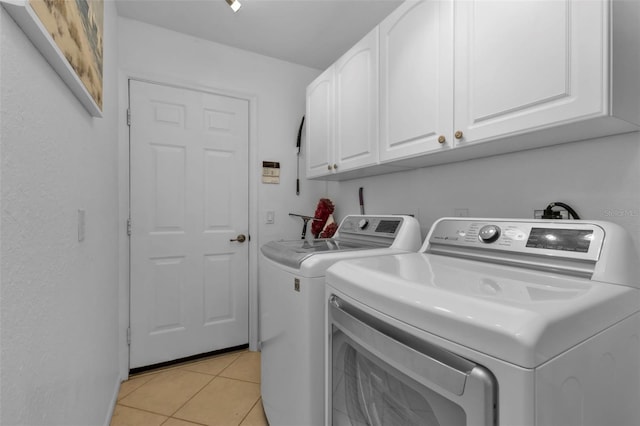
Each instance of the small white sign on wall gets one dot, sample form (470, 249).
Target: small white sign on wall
(270, 172)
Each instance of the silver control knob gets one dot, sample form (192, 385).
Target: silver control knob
(363, 223)
(489, 233)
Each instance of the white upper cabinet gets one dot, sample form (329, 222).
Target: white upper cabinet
(320, 124)
(528, 65)
(356, 80)
(463, 79)
(416, 79)
(342, 112)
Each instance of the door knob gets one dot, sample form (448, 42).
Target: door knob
(458, 135)
(240, 238)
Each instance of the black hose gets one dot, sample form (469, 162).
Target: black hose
(298, 146)
(549, 213)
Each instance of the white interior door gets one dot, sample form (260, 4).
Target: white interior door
(189, 202)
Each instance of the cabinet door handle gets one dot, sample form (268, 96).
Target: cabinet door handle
(335, 167)
(329, 167)
(458, 134)
(442, 139)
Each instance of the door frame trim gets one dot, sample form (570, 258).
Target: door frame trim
(124, 254)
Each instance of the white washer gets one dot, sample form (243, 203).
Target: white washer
(292, 305)
(494, 322)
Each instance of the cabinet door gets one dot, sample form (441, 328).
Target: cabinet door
(320, 125)
(526, 65)
(356, 79)
(416, 79)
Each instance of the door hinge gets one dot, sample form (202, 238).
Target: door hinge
(128, 116)
(129, 336)
(129, 227)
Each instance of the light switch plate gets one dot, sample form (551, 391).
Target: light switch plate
(271, 217)
(82, 216)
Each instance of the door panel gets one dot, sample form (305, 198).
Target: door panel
(356, 106)
(320, 124)
(169, 183)
(528, 64)
(416, 79)
(189, 199)
(166, 310)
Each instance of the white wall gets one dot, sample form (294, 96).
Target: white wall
(277, 90)
(58, 297)
(599, 178)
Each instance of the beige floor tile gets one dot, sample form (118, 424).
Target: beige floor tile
(256, 416)
(132, 384)
(166, 391)
(223, 402)
(213, 365)
(125, 416)
(178, 422)
(246, 367)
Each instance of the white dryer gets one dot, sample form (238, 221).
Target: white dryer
(292, 309)
(494, 322)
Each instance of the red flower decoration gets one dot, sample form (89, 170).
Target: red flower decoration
(323, 211)
(329, 230)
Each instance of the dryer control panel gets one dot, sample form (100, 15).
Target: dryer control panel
(578, 240)
(598, 250)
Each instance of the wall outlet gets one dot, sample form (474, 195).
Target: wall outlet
(461, 212)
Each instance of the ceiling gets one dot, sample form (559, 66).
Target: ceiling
(313, 33)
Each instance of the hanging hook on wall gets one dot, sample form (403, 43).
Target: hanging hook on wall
(298, 143)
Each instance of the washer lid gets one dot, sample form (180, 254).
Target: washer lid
(520, 316)
(356, 232)
(293, 252)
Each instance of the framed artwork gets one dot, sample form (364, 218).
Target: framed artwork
(69, 34)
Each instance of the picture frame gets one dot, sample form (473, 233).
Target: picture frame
(68, 33)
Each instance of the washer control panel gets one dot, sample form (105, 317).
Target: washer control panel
(371, 225)
(564, 239)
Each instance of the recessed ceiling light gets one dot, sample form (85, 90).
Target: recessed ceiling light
(234, 4)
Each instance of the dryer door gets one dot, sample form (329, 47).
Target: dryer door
(380, 375)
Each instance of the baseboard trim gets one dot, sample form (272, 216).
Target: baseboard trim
(114, 400)
(138, 370)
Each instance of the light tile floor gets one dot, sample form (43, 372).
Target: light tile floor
(221, 390)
